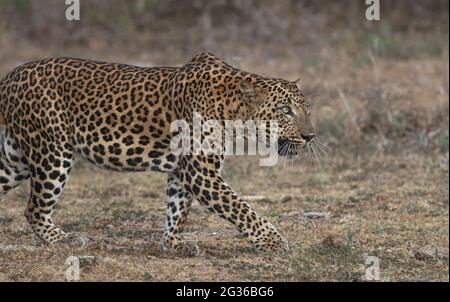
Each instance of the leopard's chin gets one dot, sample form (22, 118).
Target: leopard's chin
(288, 149)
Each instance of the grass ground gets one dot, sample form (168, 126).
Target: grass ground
(393, 207)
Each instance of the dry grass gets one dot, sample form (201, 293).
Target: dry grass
(389, 207)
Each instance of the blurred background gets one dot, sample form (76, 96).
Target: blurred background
(380, 97)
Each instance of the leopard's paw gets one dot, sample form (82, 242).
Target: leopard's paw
(74, 240)
(187, 249)
(273, 242)
(268, 239)
(182, 248)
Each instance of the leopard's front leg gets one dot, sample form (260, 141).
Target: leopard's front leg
(201, 177)
(179, 202)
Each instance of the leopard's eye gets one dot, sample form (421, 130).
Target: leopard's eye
(285, 110)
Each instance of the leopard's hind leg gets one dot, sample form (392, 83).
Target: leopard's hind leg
(50, 163)
(13, 167)
(50, 166)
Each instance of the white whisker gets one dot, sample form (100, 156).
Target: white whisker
(321, 151)
(316, 154)
(321, 144)
(314, 151)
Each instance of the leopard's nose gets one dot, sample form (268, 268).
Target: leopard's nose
(308, 137)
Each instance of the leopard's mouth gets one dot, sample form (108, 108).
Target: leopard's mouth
(290, 149)
(312, 149)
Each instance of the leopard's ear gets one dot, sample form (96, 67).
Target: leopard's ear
(250, 93)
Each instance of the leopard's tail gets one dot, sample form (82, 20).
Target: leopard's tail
(2, 118)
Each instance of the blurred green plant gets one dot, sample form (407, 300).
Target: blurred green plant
(378, 43)
(141, 6)
(443, 143)
(23, 5)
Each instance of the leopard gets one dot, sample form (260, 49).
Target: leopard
(118, 117)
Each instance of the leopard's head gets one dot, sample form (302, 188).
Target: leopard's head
(284, 102)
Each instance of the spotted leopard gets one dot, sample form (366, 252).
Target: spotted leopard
(119, 117)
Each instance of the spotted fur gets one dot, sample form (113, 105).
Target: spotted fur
(118, 117)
